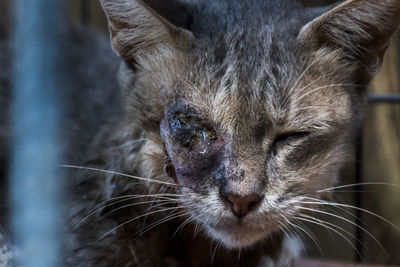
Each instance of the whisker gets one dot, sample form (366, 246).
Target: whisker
(161, 204)
(94, 211)
(333, 225)
(120, 174)
(308, 234)
(183, 224)
(135, 204)
(131, 197)
(329, 203)
(133, 219)
(334, 230)
(163, 220)
(322, 201)
(215, 251)
(283, 228)
(197, 228)
(298, 80)
(320, 88)
(352, 223)
(126, 144)
(291, 233)
(355, 184)
(306, 86)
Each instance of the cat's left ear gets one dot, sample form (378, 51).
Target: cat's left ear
(360, 30)
(144, 28)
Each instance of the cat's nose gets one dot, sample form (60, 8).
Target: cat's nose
(242, 205)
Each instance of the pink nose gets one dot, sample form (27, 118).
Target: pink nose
(242, 205)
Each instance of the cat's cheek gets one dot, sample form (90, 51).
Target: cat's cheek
(192, 167)
(194, 171)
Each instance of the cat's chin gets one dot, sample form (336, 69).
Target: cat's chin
(236, 236)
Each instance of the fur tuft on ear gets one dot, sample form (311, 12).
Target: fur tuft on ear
(361, 29)
(137, 29)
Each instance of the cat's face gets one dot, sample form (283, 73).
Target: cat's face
(249, 149)
(252, 125)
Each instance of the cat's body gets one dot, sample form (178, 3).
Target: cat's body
(233, 114)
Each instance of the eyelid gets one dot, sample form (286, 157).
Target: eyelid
(290, 135)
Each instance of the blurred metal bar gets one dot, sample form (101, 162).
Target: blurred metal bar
(389, 99)
(35, 181)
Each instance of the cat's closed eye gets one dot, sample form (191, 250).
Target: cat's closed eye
(286, 139)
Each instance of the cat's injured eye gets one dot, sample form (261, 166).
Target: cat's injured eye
(190, 132)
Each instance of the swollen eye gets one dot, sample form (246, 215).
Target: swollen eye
(208, 135)
(184, 119)
(202, 136)
(191, 132)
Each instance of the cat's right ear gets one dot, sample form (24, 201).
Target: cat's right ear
(138, 31)
(358, 31)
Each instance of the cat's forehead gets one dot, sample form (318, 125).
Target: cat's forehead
(231, 102)
(241, 75)
(273, 89)
(248, 52)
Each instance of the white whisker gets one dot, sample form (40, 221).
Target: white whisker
(94, 211)
(319, 88)
(297, 92)
(164, 220)
(333, 204)
(332, 229)
(308, 234)
(298, 80)
(291, 233)
(355, 184)
(134, 219)
(120, 174)
(135, 204)
(126, 144)
(348, 221)
(332, 225)
(183, 224)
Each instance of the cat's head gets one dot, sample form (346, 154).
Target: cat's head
(253, 102)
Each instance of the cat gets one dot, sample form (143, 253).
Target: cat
(233, 120)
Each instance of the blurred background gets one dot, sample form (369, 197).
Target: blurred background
(375, 159)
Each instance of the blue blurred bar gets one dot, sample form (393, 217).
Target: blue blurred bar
(385, 99)
(35, 181)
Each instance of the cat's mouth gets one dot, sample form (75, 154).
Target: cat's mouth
(237, 235)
